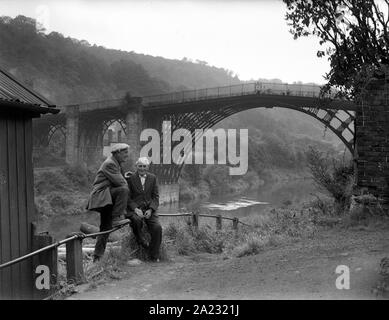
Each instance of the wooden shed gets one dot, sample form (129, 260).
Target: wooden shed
(18, 105)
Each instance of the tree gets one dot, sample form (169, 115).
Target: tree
(355, 35)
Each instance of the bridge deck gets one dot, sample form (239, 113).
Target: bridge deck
(309, 96)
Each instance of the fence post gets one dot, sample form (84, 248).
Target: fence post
(195, 220)
(218, 222)
(74, 267)
(47, 259)
(235, 223)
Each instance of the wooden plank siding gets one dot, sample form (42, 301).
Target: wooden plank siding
(16, 205)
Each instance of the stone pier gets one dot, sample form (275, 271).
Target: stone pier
(72, 131)
(372, 139)
(134, 119)
(168, 193)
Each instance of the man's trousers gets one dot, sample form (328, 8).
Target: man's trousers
(119, 199)
(154, 228)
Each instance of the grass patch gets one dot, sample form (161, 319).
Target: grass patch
(253, 244)
(270, 229)
(186, 240)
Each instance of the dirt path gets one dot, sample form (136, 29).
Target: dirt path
(300, 270)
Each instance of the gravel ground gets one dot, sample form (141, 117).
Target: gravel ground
(304, 269)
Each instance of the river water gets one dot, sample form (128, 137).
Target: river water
(251, 203)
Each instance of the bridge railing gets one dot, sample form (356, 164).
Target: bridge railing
(234, 90)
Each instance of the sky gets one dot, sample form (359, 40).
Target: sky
(249, 37)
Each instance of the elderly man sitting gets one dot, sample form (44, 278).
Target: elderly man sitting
(142, 206)
(109, 195)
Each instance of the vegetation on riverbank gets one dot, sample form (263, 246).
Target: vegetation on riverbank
(62, 191)
(275, 228)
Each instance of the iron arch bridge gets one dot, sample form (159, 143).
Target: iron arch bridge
(194, 109)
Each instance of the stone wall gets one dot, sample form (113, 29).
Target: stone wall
(372, 139)
(72, 130)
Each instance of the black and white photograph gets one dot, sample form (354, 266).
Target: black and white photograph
(204, 151)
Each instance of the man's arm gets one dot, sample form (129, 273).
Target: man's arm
(131, 203)
(113, 174)
(154, 196)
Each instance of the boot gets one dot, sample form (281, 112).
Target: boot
(117, 221)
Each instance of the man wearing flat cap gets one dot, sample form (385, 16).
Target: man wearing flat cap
(142, 206)
(109, 195)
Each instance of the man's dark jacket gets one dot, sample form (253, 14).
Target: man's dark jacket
(109, 176)
(143, 199)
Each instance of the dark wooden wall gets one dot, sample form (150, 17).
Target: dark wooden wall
(16, 204)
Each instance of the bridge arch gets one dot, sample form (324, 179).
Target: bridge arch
(108, 123)
(54, 129)
(340, 122)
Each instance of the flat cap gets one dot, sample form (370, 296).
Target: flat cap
(119, 147)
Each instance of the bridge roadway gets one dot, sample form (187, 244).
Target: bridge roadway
(256, 94)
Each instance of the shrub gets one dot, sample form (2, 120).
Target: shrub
(207, 240)
(58, 200)
(254, 244)
(188, 240)
(78, 176)
(43, 207)
(46, 182)
(334, 176)
(171, 230)
(364, 210)
(323, 206)
(184, 243)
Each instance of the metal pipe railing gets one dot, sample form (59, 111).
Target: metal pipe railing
(59, 243)
(81, 235)
(34, 253)
(234, 90)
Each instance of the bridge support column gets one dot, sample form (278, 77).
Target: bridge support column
(72, 130)
(95, 154)
(169, 193)
(134, 120)
(372, 139)
(82, 143)
(90, 143)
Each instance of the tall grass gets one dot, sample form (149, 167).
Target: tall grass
(332, 175)
(270, 229)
